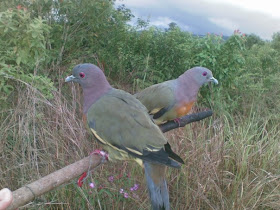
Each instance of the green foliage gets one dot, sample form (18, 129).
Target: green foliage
(83, 33)
(24, 53)
(275, 44)
(41, 40)
(253, 39)
(55, 32)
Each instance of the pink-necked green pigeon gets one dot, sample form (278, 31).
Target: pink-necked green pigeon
(122, 124)
(173, 99)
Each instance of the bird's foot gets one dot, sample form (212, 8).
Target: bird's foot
(104, 158)
(177, 120)
(104, 155)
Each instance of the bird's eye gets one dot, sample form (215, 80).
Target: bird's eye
(82, 74)
(204, 73)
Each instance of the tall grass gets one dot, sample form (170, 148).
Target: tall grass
(232, 162)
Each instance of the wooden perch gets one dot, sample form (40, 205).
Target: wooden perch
(183, 121)
(29, 192)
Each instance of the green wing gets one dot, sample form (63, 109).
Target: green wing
(158, 98)
(121, 122)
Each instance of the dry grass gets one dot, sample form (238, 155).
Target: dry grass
(232, 162)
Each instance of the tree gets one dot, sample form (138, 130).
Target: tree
(276, 41)
(253, 39)
(172, 26)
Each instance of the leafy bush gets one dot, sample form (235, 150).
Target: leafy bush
(41, 40)
(24, 53)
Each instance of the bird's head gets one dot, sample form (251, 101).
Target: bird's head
(201, 75)
(87, 75)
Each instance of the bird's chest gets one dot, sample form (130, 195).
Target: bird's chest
(184, 108)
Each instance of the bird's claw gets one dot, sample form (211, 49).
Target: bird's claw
(177, 120)
(104, 158)
(104, 155)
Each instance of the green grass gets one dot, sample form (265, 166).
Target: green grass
(232, 161)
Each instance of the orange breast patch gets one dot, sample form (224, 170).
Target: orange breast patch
(184, 109)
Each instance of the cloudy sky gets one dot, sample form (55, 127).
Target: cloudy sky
(261, 17)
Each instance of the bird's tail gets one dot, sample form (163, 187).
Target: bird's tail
(155, 177)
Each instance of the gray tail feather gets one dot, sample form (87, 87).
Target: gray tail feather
(157, 186)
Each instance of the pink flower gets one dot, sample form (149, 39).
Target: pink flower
(92, 185)
(121, 191)
(237, 31)
(111, 178)
(136, 186)
(125, 195)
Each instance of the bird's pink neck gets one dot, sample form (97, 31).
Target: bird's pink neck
(188, 88)
(91, 95)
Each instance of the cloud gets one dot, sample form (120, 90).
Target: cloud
(163, 22)
(216, 16)
(268, 7)
(229, 15)
(225, 23)
(140, 4)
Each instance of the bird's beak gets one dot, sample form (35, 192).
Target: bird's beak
(69, 78)
(214, 80)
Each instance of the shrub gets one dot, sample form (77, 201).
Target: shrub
(24, 54)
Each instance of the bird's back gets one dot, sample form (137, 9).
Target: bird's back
(158, 96)
(122, 123)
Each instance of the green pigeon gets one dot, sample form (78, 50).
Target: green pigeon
(173, 99)
(122, 124)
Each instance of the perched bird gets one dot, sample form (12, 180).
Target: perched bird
(173, 99)
(122, 124)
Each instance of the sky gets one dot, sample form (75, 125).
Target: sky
(261, 17)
